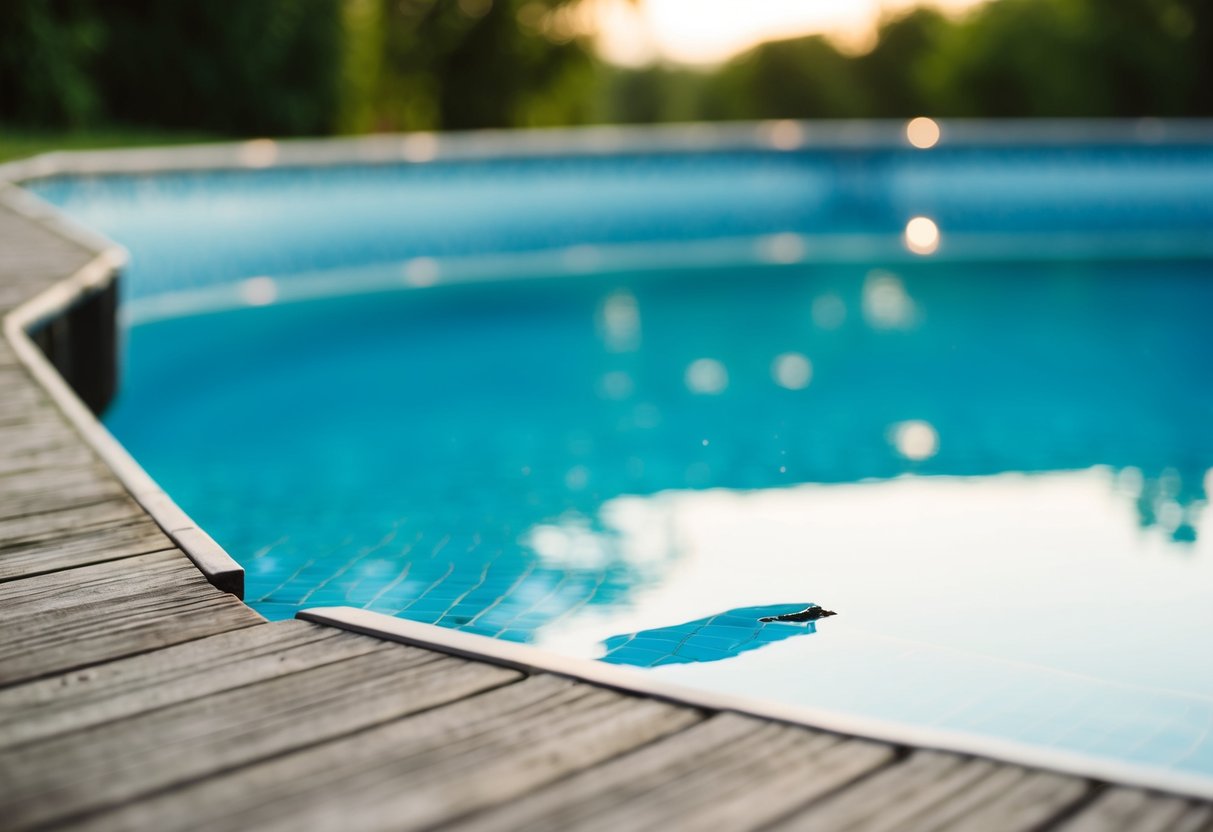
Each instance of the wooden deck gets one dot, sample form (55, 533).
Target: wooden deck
(136, 695)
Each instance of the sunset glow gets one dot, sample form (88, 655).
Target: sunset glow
(710, 31)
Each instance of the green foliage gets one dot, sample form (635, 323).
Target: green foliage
(1072, 58)
(1049, 58)
(650, 95)
(253, 66)
(807, 77)
(284, 67)
(479, 63)
(891, 72)
(45, 49)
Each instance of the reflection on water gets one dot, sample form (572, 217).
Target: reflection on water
(457, 428)
(708, 639)
(991, 470)
(1168, 501)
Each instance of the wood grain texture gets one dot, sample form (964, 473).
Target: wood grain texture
(91, 528)
(49, 525)
(81, 617)
(1135, 810)
(417, 772)
(56, 490)
(33, 258)
(61, 777)
(42, 455)
(194, 670)
(136, 536)
(934, 790)
(729, 772)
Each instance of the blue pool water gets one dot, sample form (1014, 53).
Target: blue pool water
(994, 469)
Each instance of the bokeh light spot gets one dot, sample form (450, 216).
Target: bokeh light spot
(419, 147)
(420, 272)
(792, 370)
(922, 132)
(915, 439)
(706, 376)
(886, 303)
(619, 321)
(922, 235)
(785, 134)
(259, 291)
(259, 153)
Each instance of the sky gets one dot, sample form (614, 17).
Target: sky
(635, 32)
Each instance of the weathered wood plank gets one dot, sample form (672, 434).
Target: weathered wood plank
(138, 536)
(63, 776)
(23, 402)
(26, 445)
(49, 525)
(1135, 810)
(1016, 804)
(119, 689)
(934, 790)
(75, 639)
(25, 406)
(57, 456)
(730, 772)
(43, 426)
(894, 797)
(416, 772)
(66, 620)
(25, 598)
(34, 256)
(45, 491)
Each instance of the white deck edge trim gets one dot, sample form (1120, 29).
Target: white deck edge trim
(211, 559)
(633, 681)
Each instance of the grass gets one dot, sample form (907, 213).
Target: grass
(20, 143)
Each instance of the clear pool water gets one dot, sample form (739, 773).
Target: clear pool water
(994, 470)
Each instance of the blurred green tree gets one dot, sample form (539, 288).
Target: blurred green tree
(1025, 58)
(891, 71)
(651, 94)
(255, 66)
(1065, 58)
(289, 67)
(45, 49)
(479, 63)
(800, 78)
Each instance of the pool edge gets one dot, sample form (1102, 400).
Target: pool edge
(225, 573)
(100, 274)
(636, 682)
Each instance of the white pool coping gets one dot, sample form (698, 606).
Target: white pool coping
(634, 681)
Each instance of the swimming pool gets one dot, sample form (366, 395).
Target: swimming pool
(747, 394)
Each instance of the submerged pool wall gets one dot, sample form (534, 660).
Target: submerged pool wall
(419, 208)
(82, 344)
